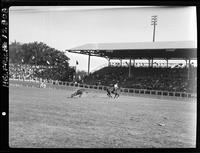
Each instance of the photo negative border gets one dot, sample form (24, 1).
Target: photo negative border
(4, 102)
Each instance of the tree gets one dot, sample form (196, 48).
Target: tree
(54, 62)
(15, 51)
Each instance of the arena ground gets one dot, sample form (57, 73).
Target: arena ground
(46, 118)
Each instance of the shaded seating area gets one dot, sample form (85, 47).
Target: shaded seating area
(165, 79)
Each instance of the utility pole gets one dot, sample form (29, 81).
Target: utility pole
(154, 23)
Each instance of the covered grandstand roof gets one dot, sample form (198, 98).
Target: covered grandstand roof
(168, 49)
(137, 45)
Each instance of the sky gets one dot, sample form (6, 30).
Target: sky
(65, 27)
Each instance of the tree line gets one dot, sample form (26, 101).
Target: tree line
(54, 63)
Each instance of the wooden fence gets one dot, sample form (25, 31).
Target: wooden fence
(128, 91)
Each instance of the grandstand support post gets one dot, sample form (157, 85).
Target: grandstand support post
(186, 65)
(75, 73)
(129, 73)
(152, 62)
(109, 62)
(89, 63)
(149, 62)
(189, 63)
(121, 62)
(188, 76)
(167, 62)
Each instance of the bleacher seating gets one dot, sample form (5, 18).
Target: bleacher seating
(167, 79)
(23, 71)
(20, 71)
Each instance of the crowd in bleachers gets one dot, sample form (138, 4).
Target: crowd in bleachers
(167, 79)
(21, 71)
(32, 72)
(24, 71)
(152, 78)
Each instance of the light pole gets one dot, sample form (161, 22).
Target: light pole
(154, 23)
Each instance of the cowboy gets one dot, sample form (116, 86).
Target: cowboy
(115, 87)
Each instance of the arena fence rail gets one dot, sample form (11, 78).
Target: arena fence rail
(126, 91)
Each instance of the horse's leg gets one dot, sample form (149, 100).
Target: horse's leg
(116, 95)
(109, 95)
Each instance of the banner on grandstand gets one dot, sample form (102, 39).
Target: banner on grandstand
(170, 50)
(109, 51)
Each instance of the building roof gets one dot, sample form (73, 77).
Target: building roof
(169, 49)
(137, 45)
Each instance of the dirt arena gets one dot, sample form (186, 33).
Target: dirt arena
(46, 118)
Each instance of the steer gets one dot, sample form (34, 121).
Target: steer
(78, 92)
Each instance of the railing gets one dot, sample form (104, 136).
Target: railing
(129, 91)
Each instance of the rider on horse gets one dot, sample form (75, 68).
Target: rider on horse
(115, 87)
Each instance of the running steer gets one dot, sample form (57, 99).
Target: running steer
(78, 92)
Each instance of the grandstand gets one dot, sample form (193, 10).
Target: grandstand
(176, 79)
(132, 76)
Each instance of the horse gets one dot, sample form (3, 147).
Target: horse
(112, 91)
(78, 92)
